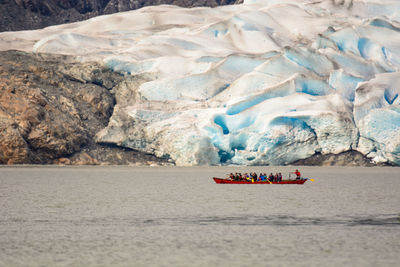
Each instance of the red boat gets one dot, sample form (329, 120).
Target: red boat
(230, 181)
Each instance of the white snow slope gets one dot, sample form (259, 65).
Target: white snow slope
(265, 82)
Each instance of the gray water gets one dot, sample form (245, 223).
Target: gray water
(169, 216)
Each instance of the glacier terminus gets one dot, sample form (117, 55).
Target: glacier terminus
(266, 82)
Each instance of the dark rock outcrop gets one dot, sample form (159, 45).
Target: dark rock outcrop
(35, 14)
(51, 108)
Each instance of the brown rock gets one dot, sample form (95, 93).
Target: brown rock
(41, 111)
(62, 161)
(13, 147)
(51, 108)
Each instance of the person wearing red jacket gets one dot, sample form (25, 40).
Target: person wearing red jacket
(298, 174)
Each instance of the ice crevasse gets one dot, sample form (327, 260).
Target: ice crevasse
(264, 82)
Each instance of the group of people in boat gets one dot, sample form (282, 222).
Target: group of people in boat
(253, 177)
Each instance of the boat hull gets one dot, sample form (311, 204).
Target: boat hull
(229, 181)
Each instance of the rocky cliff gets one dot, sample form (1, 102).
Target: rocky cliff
(34, 14)
(50, 109)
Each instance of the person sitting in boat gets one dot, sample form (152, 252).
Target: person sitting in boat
(298, 174)
(231, 176)
(265, 176)
(261, 177)
(271, 177)
(251, 177)
(279, 177)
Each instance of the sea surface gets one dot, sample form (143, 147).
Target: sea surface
(172, 216)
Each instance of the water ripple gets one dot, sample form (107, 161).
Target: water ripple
(283, 220)
(272, 220)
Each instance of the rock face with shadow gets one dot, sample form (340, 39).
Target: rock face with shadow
(50, 109)
(35, 14)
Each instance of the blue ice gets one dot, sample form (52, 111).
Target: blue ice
(312, 87)
(233, 124)
(221, 121)
(392, 57)
(383, 125)
(249, 27)
(384, 97)
(209, 59)
(269, 54)
(229, 145)
(323, 42)
(390, 95)
(239, 65)
(346, 40)
(354, 65)
(268, 142)
(225, 156)
(214, 133)
(252, 100)
(373, 51)
(281, 67)
(302, 85)
(389, 9)
(218, 33)
(364, 45)
(277, 146)
(238, 141)
(216, 30)
(378, 22)
(345, 84)
(310, 60)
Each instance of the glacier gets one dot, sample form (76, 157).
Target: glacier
(265, 82)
